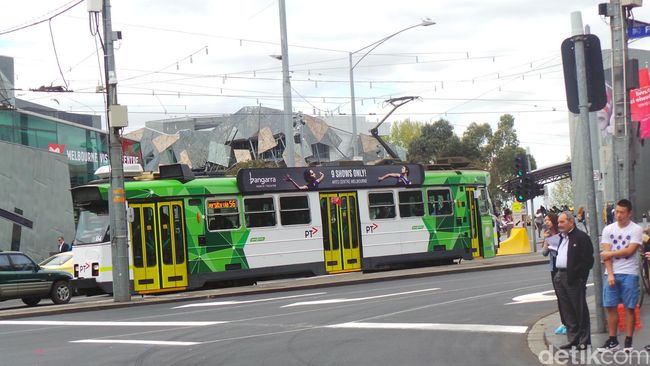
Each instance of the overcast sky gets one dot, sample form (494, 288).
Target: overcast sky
(196, 57)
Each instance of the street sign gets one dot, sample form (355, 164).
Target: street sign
(637, 29)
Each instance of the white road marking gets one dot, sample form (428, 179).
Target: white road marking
(109, 323)
(127, 341)
(486, 328)
(335, 301)
(536, 297)
(222, 303)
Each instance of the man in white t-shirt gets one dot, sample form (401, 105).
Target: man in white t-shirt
(620, 243)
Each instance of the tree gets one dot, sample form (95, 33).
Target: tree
(561, 194)
(402, 133)
(491, 151)
(435, 140)
(474, 143)
(500, 152)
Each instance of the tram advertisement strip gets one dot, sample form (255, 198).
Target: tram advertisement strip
(325, 178)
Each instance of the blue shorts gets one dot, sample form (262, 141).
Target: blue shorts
(625, 291)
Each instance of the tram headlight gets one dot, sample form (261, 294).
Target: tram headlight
(95, 269)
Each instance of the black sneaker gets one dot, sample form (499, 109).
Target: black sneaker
(611, 345)
(628, 344)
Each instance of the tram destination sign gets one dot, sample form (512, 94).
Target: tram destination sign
(329, 178)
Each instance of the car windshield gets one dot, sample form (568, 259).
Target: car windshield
(56, 260)
(92, 227)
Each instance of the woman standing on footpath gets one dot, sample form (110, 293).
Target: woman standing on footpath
(551, 243)
(581, 222)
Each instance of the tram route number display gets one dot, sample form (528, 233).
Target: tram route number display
(222, 204)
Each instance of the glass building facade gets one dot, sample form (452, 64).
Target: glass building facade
(85, 147)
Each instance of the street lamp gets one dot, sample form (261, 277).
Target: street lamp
(372, 46)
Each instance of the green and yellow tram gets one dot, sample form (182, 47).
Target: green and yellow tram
(186, 231)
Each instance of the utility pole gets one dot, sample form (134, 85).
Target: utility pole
(530, 212)
(621, 138)
(286, 90)
(584, 169)
(117, 197)
(353, 105)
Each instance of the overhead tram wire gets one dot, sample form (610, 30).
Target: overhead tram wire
(255, 41)
(236, 75)
(190, 76)
(490, 90)
(366, 114)
(56, 55)
(18, 28)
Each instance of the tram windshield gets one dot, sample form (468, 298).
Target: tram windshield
(92, 227)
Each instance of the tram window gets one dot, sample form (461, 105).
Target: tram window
(165, 235)
(439, 202)
(259, 212)
(136, 239)
(410, 203)
(178, 234)
(381, 205)
(223, 214)
(483, 201)
(294, 210)
(149, 236)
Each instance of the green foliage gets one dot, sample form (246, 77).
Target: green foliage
(474, 141)
(494, 151)
(561, 194)
(435, 141)
(402, 133)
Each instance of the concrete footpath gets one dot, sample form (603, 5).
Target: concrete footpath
(542, 336)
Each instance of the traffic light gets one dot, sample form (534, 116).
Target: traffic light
(520, 195)
(526, 189)
(521, 165)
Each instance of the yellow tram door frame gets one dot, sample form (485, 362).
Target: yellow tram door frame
(331, 243)
(350, 236)
(341, 236)
(474, 222)
(144, 238)
(171, 245)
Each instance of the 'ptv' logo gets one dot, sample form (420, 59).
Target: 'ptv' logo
(311, 232)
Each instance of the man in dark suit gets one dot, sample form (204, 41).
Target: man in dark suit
(63, 246)
(574, 261)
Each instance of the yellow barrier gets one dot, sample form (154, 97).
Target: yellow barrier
(517, 243)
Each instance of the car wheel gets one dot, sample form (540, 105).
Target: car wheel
(61, 293)
(31, 301)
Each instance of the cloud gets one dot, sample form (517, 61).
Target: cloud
(480, 60)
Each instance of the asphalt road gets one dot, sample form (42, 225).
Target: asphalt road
(454, 319)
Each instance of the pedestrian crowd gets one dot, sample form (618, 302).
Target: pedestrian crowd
(571, 257)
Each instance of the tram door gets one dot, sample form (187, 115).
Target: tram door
(474, 222)
(341, 236)
(158, 247)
